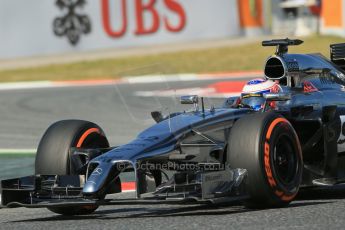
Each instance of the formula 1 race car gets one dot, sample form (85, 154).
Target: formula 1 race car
(212, 155)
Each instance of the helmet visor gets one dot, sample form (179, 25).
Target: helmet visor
(254, 101)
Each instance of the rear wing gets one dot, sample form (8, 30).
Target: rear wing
(338, 54)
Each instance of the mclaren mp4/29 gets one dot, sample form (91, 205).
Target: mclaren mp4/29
(203, 155)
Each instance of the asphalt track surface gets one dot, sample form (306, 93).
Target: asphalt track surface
(25, 114)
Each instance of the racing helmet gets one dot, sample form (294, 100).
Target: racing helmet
(253, 91)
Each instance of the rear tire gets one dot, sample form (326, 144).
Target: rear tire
(267, 146)
(53, 153)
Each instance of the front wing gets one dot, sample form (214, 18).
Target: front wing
(66, 191)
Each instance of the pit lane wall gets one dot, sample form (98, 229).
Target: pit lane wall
(39, 27)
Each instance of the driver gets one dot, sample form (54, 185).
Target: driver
(253, 91)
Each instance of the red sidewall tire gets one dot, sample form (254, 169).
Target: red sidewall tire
(53, 157)
(267, 146)
(53, 153)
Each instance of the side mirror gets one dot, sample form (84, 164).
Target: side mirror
(277, 96)
(189, 100)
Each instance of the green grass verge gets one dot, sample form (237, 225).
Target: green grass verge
(234, 58)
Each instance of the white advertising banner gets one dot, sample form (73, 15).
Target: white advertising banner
(39, 27)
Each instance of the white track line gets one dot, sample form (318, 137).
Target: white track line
(206, 92)
(127, 80)
(25, 85)
(17, 151)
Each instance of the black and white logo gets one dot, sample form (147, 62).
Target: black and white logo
(341, 139)
(72, 24)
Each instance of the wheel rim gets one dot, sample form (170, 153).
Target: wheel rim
(90, 139)
(285, 161)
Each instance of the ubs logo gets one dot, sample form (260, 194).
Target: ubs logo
(72, 24)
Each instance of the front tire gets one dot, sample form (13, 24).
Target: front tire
(53, 153)
(267, 146)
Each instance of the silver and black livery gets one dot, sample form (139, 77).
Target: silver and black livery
(205, 155)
